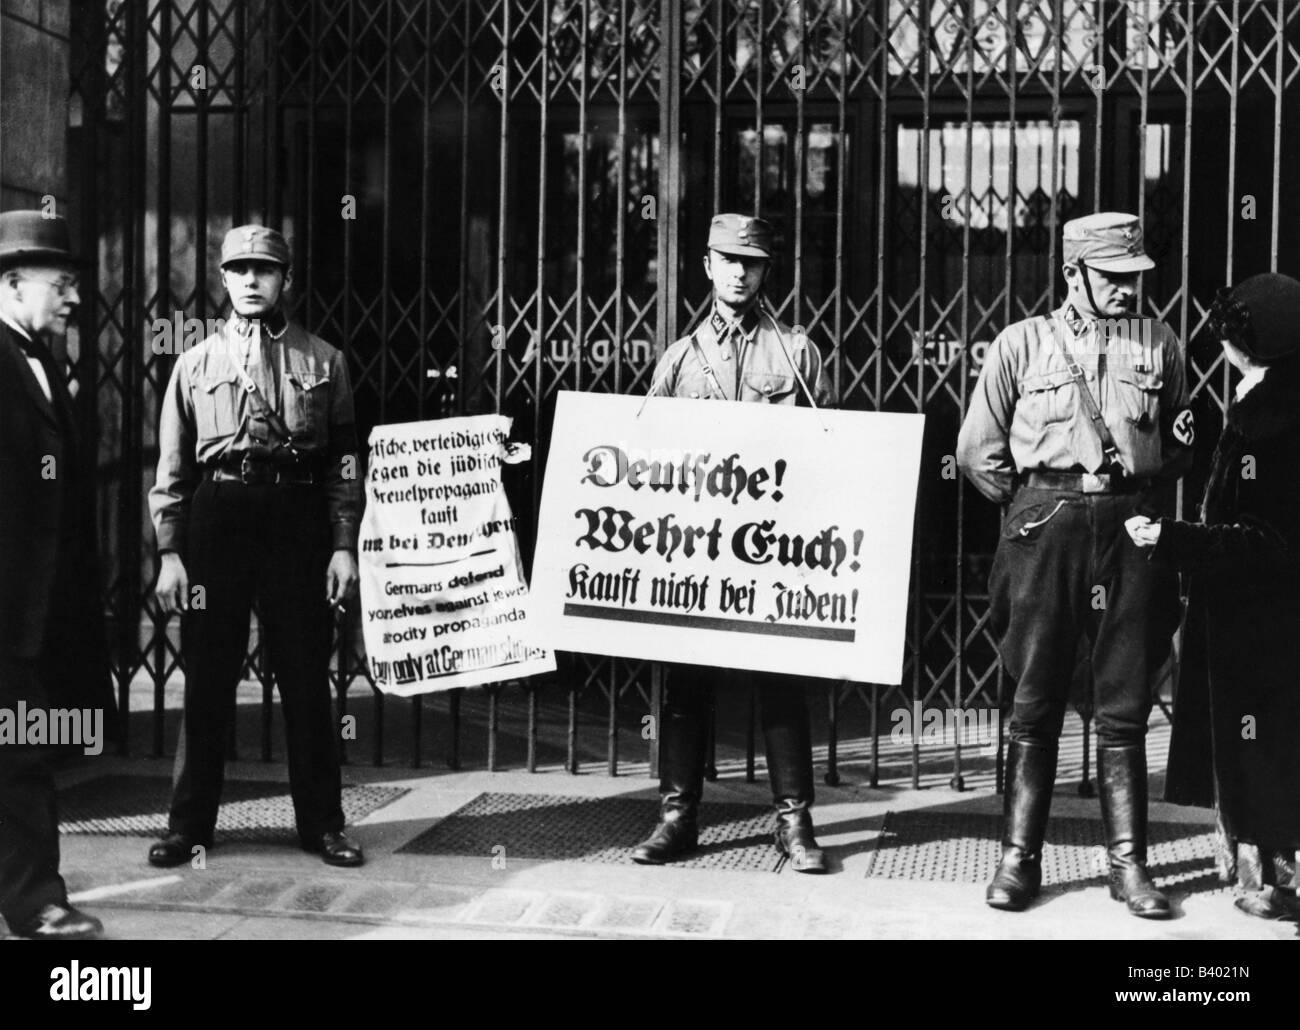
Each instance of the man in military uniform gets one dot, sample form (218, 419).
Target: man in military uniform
(739, 353)
(53, 652)
(257, 496)
(1077, 418)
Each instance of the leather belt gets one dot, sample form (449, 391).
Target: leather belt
(1085, 482)
(243, 467)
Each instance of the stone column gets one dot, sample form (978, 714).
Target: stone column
(34, 87)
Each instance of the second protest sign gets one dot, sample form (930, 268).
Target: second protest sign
(442, 591)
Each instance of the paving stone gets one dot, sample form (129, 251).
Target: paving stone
(628, 913)
(567, 910)
(316, 896)
(695, 918)
(377, 900)
(503, 906)
(436, 904)
(253, 892)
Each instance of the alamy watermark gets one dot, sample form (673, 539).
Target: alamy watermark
(973, 727)
(66, 727)
(178, 334)
(75, 982)
(1133, 337)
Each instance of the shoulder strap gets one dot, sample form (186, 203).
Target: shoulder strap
(260, 405)
(708, 369)
(780, 338)
(1108, 446)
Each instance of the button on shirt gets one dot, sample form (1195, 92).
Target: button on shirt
(1025, 412)
(207, 416)
(747, 361)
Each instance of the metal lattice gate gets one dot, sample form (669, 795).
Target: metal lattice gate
(532, 183)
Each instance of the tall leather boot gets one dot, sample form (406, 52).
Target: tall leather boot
(681, 778)
(788, 740)
(1122, 776)
(1026, 801)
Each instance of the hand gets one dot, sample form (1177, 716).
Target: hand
(1142, 531)
(514, 453)
(172, 590)
(340, 579)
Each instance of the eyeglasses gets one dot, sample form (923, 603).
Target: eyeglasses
(64, 284)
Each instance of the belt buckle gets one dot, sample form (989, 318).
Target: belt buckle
(1094, 483)
(254, 474)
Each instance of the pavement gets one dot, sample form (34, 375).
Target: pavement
(249, 891)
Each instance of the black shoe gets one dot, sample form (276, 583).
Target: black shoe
(1122, 777)
(1130, 883)
(59, 923)
(1026, 801)
(675, 835)
(795, 840)
(1263, 905)
(682, 746)
(787, 740)
(174, 849)
(1017, 881)
(336, 849)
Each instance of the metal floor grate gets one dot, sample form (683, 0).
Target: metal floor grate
(963, 847)
(252, 811)
(544, 826)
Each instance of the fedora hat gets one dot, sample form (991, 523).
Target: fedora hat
(30, 237)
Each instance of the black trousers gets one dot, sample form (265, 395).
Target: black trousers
(787, 737)
(270, 543)
(1065, 570)
(29, 819)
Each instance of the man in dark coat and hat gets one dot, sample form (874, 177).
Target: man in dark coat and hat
(53, 660)
(1236, 734)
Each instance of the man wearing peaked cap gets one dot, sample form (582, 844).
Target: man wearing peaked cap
(741, 235)
(1078, 420)
(257, 496)
(255, 243)
(53, 650)
(739, 353)
(1107, 241)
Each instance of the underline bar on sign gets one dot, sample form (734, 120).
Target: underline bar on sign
(776, 629)
(431, 564)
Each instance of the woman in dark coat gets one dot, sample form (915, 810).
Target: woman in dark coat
(1236, 734)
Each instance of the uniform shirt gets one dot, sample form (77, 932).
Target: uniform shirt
(38, 370)
(748, 359)
(1025, 413)
(207, 416)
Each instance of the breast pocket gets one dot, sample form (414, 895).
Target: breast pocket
(1048, 397)
(767, 386)
(217, 405)
(306, 407)
(1138, 394)
(692, 383)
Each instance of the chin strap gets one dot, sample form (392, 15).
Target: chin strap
(1087, 287)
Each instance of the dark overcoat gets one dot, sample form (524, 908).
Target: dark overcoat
(1237, 710)
(51, 614)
